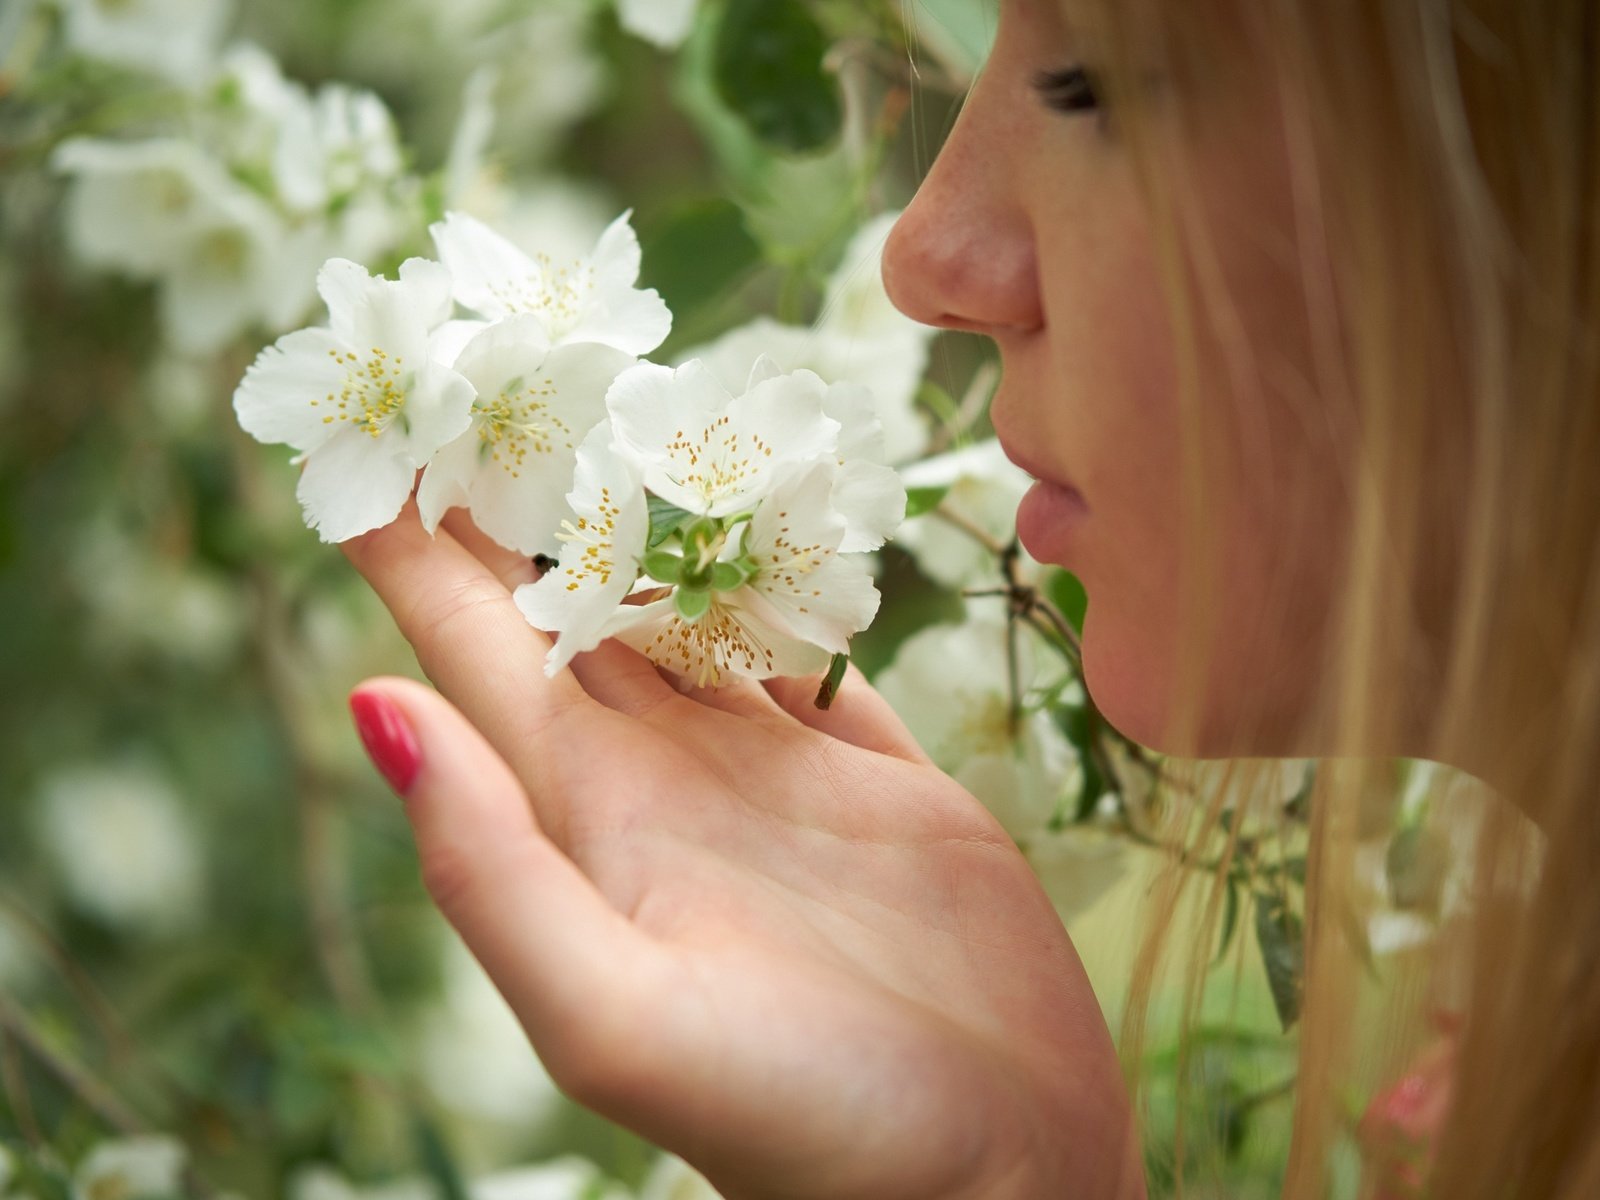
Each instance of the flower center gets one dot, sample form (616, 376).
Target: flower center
(702, 648)
(373, 393)
(557, 294)
(597, 537)
(719, 461)
(519, 420)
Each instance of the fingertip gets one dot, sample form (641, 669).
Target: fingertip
(388, 736)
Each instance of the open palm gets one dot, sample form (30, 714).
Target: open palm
(773, 939)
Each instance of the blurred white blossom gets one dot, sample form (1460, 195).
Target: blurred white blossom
(984, 489)
(860, 337)
(177, 39)
(475, 1057)
(319, 1181)
(1077, 865)
(146, 1167)
(123, 845)
(671, 1178)
(163, 210)
(951, 685)
(663, 22)
(362, 400)
(566, 1178)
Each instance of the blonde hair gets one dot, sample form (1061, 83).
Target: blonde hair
(1445, 161)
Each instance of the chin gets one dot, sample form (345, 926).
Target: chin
(1134, 682)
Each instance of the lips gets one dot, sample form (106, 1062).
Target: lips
(1045, 477)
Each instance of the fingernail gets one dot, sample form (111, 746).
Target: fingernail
(388, 738)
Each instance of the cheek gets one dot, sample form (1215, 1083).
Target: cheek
(1268, 540)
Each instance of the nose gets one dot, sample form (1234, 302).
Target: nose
(962, 255)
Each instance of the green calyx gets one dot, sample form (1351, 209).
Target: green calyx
(692, 555)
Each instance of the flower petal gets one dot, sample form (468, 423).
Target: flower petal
(729, 640)
(600, 562)
(492, 276)
(355, 483)
(804, 585)
(283, 395)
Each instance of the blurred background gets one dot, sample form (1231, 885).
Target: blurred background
(219, 973)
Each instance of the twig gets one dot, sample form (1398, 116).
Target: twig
(99, 1098)
(17, 1091)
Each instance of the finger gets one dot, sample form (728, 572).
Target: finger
(622, 679)
(858, 714)
(736, 694)
(474, 643)
(511, 568)
(564, 958)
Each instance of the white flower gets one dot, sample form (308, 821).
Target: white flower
(1077, 865)
(600, 562)
(673, 1179)
(148, 1167)
(335, 145)
(514, 466)
(173, 38)
(363, 400)
(319, 1181)
(567, 1178)
(984, 489)
(799, 601)
(474, 1054)
(860, 337)
(711, 453)
(160, 209)
(590, 300)
(950, 684)
(663, 22)
(125, 849)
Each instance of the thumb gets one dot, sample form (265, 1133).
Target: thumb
(562, 956)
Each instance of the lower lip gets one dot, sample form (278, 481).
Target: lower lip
(1046, 519)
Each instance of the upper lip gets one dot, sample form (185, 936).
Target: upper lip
(1032, 466)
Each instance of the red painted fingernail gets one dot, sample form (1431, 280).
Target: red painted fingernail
(388, 738)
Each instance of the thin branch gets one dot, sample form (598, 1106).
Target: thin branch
(94, 1094)
(17, 1093)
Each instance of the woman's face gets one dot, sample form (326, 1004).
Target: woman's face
(1030, 229)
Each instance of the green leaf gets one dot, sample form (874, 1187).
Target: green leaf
(727, 577)
(1066, 593)
(1230, 921)
(699, 252)
(664, 521)
(768, 68)
(923, 500)
(663, 565)
(438, 1163)
(830, 684)
(1282, 940)
(692, 603)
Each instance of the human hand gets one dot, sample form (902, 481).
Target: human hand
(772, 939)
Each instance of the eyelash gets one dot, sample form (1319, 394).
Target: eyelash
(1070, 90)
